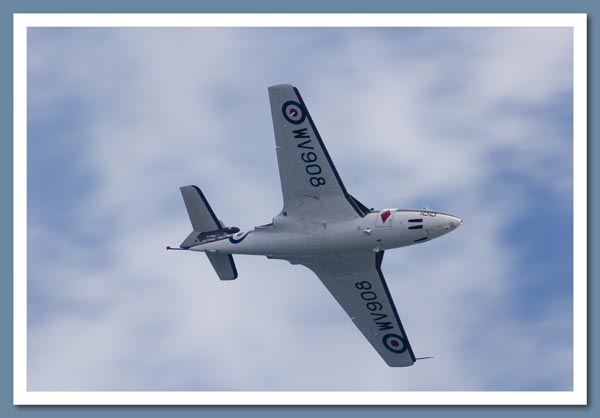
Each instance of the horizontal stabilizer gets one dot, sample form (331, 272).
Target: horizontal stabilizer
(201, 214)
(223, 265)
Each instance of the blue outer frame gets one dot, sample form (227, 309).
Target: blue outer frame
(8, 7)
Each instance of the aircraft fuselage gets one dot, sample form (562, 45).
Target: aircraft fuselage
(382, 230)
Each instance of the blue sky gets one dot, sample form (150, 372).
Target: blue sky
(475, 122)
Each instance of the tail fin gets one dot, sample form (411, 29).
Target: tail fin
(204, 220)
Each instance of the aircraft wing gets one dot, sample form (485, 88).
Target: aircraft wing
(356, 282)
(312, 188)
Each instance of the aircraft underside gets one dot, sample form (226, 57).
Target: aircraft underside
(361, 234)
(322, 227)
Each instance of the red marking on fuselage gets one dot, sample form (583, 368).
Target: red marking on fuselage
(385, 215)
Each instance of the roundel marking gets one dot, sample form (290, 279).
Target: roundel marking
(293, 112)
(395, 343)
(237, 238)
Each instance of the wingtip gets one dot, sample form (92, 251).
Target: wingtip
(280, 87)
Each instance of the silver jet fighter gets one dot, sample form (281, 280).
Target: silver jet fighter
(322, 227)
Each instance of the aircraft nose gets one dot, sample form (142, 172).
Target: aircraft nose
(452, 223)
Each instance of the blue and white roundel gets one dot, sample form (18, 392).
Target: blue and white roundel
(237, 238)
(293, 112)
(394, 343)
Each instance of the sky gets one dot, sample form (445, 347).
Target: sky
(476, 122)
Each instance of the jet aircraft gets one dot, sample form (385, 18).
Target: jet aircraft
(322, 227)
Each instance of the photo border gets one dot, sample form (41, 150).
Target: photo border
(578, 396)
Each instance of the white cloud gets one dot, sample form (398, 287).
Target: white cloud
(407, 117)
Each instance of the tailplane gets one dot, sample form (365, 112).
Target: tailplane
(223, 265)
(206, 226)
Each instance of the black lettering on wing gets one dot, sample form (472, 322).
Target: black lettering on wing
(378, 316)
(384, 325)
(301, 133)
(306, 145)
